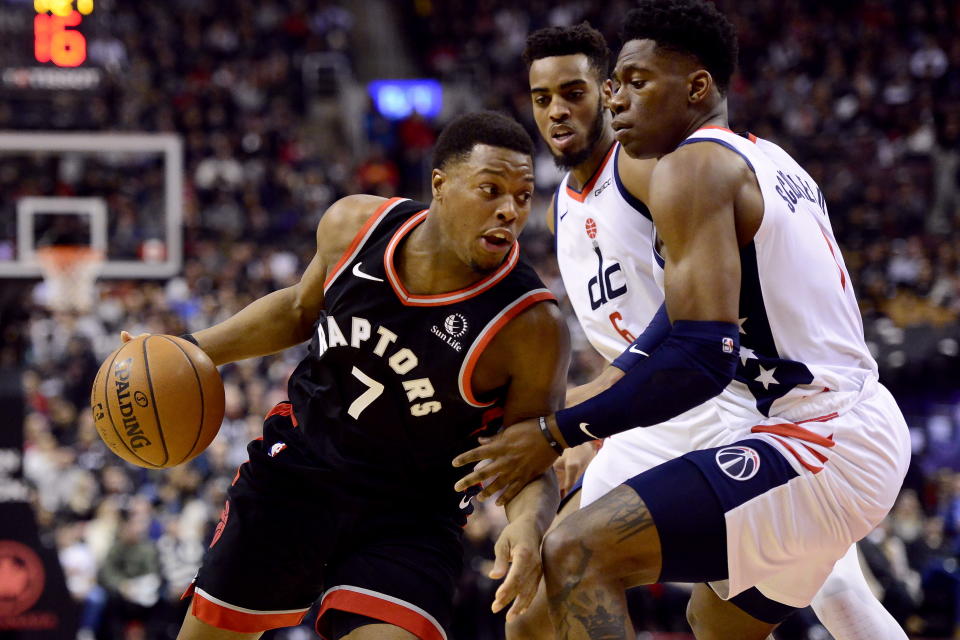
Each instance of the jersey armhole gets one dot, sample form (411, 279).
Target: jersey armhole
(360, 239)
(485, 337)
(630, 199)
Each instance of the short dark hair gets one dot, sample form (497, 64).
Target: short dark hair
(568, 41)
(693, 27)
(458, 138)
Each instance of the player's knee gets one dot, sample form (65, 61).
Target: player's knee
(522, 628)
(564, 553)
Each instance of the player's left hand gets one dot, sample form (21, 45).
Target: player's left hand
(517, 455)
(518, 548)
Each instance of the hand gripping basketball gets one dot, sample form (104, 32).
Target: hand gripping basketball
(157, 401)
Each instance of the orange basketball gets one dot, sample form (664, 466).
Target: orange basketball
(157, 401)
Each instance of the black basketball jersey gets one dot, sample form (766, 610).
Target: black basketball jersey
(383, 398)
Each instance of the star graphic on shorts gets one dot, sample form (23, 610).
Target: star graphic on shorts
(741, 321)
(766, 377)
(746, 353)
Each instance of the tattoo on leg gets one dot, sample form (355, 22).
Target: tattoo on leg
(630, 514)
(600, 617)
(599, 622)
(557, 601)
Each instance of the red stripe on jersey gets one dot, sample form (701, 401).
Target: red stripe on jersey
(581, 195)
(806, 465)
(350, 252)
(440, 299)
(283, 409)
(373, 605)
(232, 618)
(843, 277)
(791, 430)
(487, 335)
(826, 418)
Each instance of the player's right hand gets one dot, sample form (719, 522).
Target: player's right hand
(572, 464)
(517, 559)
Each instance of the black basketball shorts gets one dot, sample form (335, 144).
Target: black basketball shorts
(284, 542)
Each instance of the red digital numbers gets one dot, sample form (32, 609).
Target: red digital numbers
(55, 41)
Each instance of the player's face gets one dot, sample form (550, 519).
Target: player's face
(567, 106)
(649, 101)
(485, 203)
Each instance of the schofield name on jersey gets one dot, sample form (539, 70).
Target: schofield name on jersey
(402, 360)
(794, 188)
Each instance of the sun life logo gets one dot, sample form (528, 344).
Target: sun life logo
(455, 325)
(740, 463)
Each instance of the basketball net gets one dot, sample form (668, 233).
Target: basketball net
(70, 273)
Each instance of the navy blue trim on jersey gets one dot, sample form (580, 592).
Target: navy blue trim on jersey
(631, 199)
(688, 498)
(656, 254)
(759, 354)
(761, 607)
(723, 143)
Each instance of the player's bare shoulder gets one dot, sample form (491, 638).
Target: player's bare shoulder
(534, 346)
(341, 222)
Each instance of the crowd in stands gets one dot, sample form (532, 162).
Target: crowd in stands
(866, 94)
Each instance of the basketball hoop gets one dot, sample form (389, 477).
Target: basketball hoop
(70, 272)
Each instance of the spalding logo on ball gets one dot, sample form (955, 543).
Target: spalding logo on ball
(740, 463)
(157, 401)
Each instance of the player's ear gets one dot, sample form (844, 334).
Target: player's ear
(437, 179)
(699, 83)
(606, 92)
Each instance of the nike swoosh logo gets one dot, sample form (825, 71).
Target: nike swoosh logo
(633, 349)
(583, 427)
(564, 214)
(365, 276)
(465, 502)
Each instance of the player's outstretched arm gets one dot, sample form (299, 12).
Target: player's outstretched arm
(693, 198)
(531, 354)
(285, 317)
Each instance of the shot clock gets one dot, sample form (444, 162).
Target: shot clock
(56, 37)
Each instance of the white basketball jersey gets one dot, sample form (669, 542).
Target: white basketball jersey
(604, 238)
(801, 334)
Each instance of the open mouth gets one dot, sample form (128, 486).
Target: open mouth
(497, 241)
(562, 137)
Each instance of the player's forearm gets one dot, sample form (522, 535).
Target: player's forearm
(538, 501)
(267, 325)
(694, 364)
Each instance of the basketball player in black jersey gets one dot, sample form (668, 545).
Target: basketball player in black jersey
(425, 331)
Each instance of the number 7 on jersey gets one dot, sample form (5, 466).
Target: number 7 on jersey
(374, 389)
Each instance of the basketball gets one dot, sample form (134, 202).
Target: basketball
(157, 401)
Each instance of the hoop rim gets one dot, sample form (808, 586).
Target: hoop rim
(63, 257)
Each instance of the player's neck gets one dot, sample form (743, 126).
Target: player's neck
(715, 117)
(426, 268)
(583, 172)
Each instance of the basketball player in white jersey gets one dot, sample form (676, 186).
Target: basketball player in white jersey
(603, 236)
(759, 299)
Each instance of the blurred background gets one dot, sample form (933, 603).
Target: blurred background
(189, 147)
